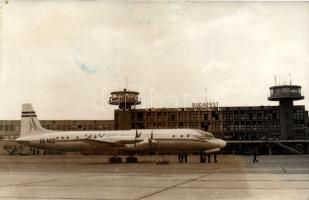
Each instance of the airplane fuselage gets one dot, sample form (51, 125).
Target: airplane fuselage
(158, 140)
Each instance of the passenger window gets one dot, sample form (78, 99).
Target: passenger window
(67, 137)
(77, 137)
(188, 135)
(57, 138)
(173, 136)
(181, 135)
(62, 137)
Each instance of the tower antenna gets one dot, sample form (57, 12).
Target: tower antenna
(275, 80)
(290, 78)
(205, 93)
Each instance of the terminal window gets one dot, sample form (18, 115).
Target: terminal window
(17, 128)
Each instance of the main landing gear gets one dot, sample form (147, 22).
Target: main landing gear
(115, 159)
(131, 159)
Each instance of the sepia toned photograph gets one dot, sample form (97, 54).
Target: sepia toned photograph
(154, 100)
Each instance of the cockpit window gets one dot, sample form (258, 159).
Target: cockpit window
(206, 134)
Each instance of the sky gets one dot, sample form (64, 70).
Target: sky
(65, 57)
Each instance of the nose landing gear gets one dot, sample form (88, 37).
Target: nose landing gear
(183, 157)
(203, 157)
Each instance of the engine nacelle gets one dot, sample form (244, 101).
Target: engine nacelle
(145, 144)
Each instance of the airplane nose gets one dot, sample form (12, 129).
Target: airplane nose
(222, 144)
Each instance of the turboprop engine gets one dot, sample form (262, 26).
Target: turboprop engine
(147, 143)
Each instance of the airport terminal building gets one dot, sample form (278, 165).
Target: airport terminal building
(237, 123)
(273, 129)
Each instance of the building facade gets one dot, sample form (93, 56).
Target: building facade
(241, 123)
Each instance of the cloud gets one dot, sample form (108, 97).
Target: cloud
(69, 55)
(85, 68)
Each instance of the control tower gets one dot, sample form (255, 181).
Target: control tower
(124, 99)
(286, 94)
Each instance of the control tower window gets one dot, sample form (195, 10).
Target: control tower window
(277, 91)
(285, 90)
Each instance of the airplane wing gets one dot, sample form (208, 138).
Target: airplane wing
(112, 142)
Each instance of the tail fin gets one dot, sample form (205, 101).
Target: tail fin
(30, 124)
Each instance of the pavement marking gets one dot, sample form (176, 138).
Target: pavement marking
(243, 188)
(25, 184)
(173, 186)
(9, 197)
(33, 182)
(246, 180)
(283, 169)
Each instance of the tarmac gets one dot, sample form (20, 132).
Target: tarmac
(91, 177)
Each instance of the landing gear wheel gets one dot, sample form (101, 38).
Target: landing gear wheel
(115, 160)
(131, 160)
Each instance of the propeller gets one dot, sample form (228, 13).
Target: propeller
(151, 140)
(144, 143)
(137, 135)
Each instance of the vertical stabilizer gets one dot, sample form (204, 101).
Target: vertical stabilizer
(30, 124)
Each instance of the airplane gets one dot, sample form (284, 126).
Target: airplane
(116, 142)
